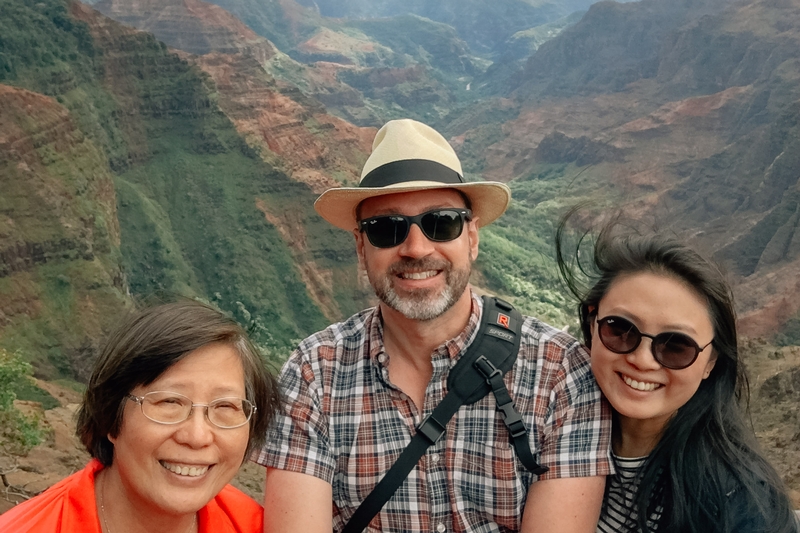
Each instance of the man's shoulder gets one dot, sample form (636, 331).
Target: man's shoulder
(354, 328)
(349, 336)
(536, 331)
(554, 348)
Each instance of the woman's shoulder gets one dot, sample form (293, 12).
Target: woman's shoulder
(67, 507)
(231, 511)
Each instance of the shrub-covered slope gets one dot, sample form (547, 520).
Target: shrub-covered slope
(136, 181)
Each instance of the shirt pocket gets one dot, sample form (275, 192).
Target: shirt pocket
(488, 482)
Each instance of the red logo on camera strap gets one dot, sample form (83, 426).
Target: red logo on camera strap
(503, 320)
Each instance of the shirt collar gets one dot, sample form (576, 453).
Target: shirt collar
(454, 347)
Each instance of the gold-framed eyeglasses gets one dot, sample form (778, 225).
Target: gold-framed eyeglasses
(166, 407)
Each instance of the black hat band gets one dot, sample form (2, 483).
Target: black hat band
(410, 170)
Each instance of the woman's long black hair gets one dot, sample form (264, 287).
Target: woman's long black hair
(707, 466)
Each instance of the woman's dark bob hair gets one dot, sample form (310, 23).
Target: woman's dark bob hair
(149, 342)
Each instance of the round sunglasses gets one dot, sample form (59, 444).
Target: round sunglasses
(671, 349)
(438, 225)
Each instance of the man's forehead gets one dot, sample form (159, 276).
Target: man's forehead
(411, 203)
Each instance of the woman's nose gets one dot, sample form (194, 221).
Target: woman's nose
(197, 430)
(642, 357)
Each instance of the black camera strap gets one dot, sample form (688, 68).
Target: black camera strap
(479, 371)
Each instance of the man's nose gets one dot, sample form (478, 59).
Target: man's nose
(416, 244)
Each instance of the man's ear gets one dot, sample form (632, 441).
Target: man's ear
(360, 248)
(474, 238)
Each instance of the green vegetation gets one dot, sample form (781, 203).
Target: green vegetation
(517, 258)
(429, 43)
(284, 27)
(18, 432)
(525, 272)
(192, 198)
(44, 49)
(43, 37)
(191, 225)
(155, 191)
(59, 208)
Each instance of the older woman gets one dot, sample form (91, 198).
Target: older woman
(176, 401)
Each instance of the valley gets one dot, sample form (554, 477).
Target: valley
(164, 147)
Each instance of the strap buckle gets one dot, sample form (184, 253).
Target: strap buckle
(513, 420)
(511, 417)
(431, 429)
(486, 368)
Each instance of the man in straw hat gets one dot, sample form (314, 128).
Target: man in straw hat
(357, 391)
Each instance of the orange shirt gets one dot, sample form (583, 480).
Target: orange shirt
(69, 507)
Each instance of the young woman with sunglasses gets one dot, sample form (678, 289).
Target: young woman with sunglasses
(659, 321)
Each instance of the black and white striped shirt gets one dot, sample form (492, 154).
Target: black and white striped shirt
(619, 512)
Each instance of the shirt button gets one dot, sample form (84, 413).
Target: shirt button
(382, 358)
(435, 458)
(440, 527)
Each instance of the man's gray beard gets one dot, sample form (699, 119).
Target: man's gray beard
(423, 304)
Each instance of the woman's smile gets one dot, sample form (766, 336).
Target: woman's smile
(186, 470)
(639, 385)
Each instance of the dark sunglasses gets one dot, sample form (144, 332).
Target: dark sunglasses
(438, 225)
(671, 349)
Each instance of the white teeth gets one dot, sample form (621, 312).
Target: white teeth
(191, 471)
(418, 275)
(640, 385)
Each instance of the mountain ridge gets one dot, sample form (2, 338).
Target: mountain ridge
(698, 134)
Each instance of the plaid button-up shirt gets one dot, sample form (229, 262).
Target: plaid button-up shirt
(346, 423)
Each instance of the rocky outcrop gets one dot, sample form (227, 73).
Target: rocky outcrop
(613, 45)
(197, 28)
(39, 141)
(190, 25)
(429, 43)
(784, 386)
(22, 256)
(287, 129)
(284, 22)
(558, 148)
(481, 24)
(313, 147)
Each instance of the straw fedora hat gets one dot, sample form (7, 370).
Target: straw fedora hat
(410, 156)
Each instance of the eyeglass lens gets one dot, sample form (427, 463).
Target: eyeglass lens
(671, 349)
(172, 408)
(439, 225)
